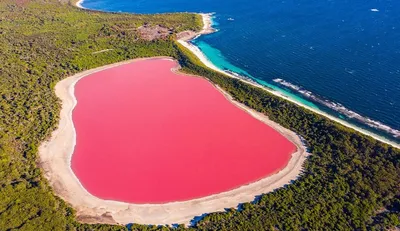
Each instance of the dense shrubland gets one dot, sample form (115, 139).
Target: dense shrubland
(350, 182)
(40, 44)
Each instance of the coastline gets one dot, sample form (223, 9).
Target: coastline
(94, 210)
(55, 159)
(207, 27)
(79, 4)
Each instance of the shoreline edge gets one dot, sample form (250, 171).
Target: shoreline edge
(207, 29)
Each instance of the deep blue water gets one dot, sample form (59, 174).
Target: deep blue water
(343, 51)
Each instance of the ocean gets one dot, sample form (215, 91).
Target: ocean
(342, 57)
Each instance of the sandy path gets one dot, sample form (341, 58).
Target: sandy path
(207, 28)
(55, 159)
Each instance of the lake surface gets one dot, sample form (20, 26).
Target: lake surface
(148, 135)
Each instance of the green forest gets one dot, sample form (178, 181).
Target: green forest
(349, 182)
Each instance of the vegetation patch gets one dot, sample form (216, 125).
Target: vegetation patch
(151, 33)
(350, 182)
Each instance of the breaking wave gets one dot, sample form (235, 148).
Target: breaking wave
(341, 109)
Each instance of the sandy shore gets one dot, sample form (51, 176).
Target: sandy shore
(207, 23)
(207, 29)
(55, 160)
(79, 4)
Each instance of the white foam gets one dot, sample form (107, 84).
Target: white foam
(341, 109)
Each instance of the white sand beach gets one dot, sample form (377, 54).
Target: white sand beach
(79, 4)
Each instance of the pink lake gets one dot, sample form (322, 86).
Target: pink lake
(148, 135)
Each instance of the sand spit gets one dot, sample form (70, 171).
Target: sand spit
(55, 160)
(79, 4)
(207, 23)
(207, 29)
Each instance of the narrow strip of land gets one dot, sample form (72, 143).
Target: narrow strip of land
(207, 28)
(55, 159)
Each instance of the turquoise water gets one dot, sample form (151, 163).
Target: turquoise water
(345, 52)
(217, 58)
